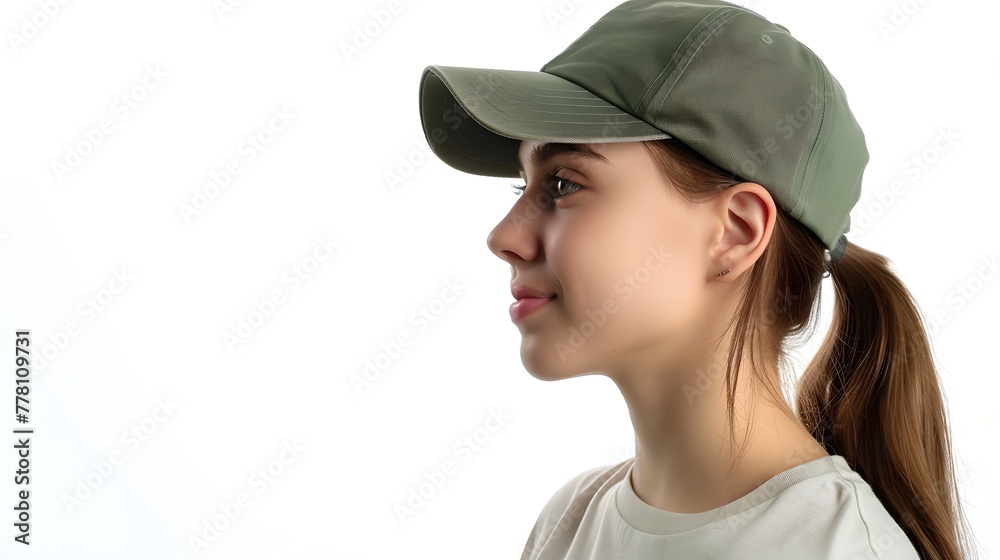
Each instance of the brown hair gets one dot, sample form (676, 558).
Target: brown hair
(871, 394)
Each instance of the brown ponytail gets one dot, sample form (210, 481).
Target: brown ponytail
(871, 394)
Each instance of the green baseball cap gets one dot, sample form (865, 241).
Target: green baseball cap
(720, 78)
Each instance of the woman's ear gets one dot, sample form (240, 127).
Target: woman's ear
(746, 214)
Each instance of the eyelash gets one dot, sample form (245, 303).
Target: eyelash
(551, 181)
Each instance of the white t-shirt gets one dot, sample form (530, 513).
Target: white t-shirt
(818, 510)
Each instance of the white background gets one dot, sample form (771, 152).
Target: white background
(63, 236)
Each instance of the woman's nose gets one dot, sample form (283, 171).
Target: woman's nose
(517, 236)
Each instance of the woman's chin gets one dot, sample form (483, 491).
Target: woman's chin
(548, 366)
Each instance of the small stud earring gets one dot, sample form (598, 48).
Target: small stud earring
(723, 273)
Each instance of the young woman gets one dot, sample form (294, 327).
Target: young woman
(689, 172)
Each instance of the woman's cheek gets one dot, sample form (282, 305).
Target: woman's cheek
(661, 295)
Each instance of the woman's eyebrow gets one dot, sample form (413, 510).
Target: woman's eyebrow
(544, 152)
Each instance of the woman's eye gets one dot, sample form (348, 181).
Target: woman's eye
(559, 187)
(560, 183)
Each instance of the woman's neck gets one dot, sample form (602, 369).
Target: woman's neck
(684, 447)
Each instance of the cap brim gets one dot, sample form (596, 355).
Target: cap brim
(475, 118)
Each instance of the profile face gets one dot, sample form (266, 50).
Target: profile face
(623, 253)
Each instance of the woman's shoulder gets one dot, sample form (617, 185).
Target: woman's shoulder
(583, 487)
(839, 512)
(565, 507)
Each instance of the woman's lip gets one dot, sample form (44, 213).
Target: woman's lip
(526, 306)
